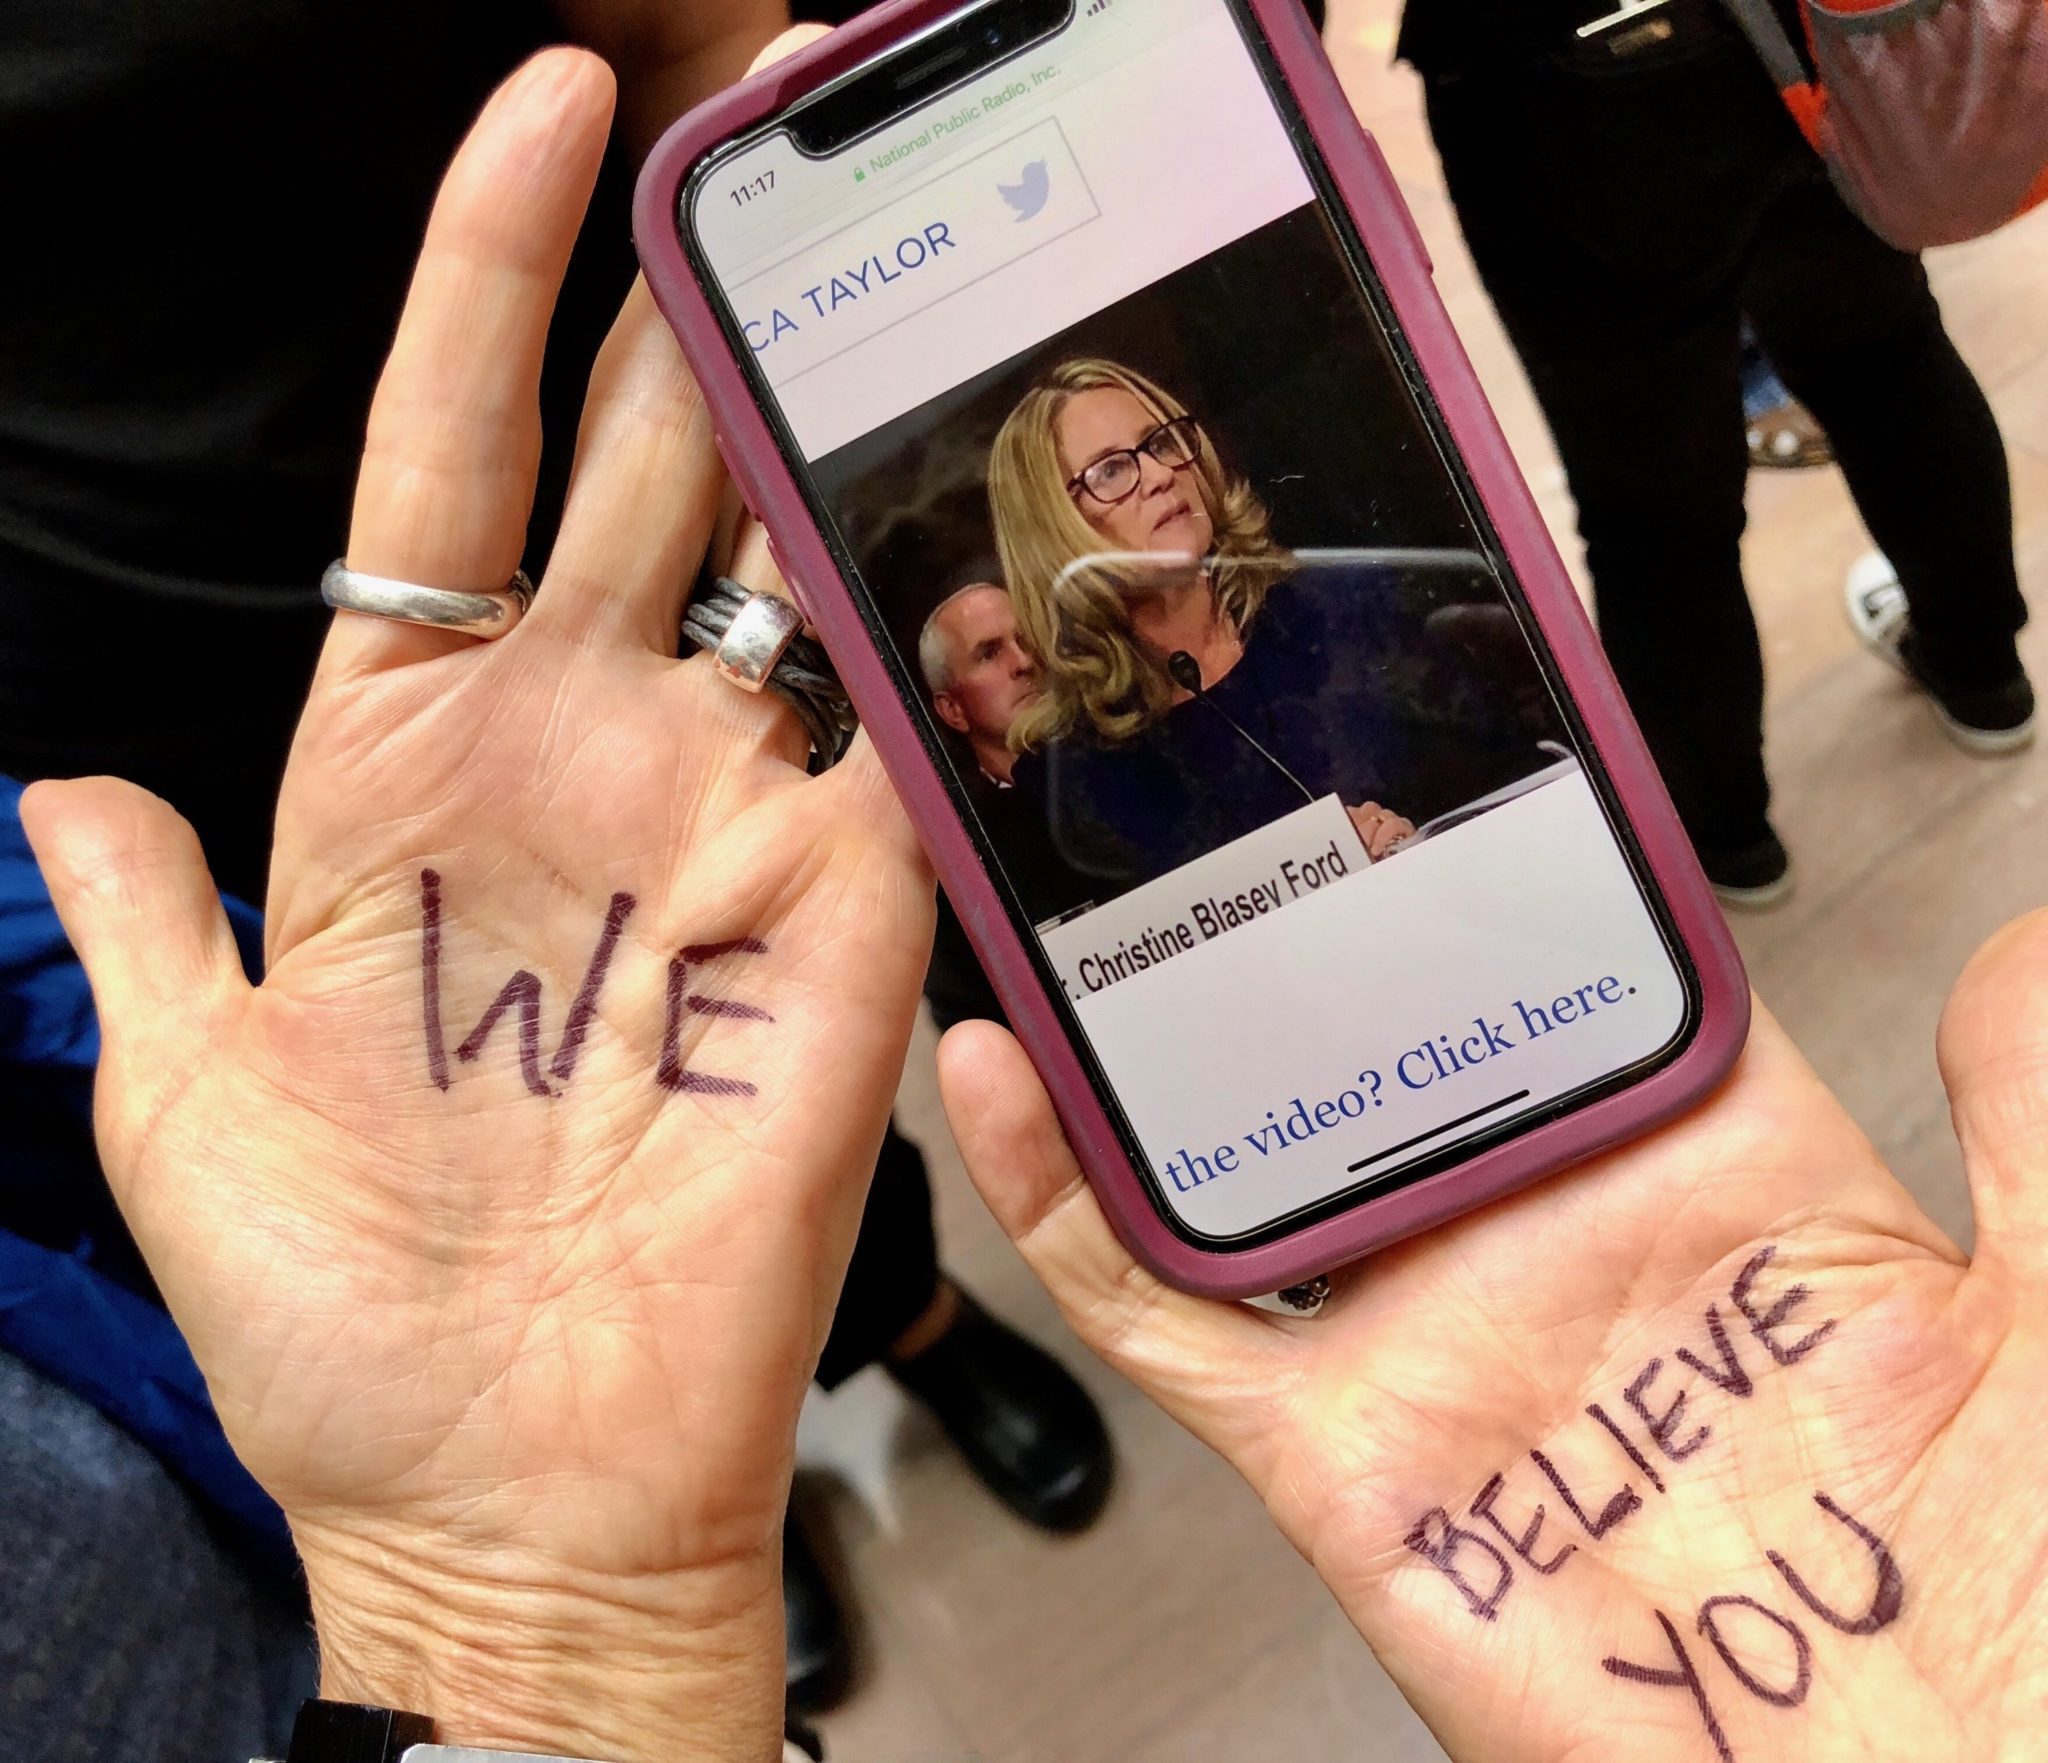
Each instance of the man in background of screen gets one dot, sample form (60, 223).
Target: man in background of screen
(979, 673)
(982, 677)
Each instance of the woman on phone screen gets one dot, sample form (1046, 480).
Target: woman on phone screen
(1199, 681)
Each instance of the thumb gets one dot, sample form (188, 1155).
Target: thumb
(131, 886)
(1994, 1060)
(1212, 1366)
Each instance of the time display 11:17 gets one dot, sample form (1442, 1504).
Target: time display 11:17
(742, 194)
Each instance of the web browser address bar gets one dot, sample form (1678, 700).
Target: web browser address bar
(974, 219)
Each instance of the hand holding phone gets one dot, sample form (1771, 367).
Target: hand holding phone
(1716, 1447)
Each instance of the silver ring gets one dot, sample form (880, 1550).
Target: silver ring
(753, 645)
(486, 613)
(770, 651)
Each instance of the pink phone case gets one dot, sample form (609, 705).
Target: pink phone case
(1395, 246)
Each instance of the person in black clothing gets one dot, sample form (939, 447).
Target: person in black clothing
(1627, 197)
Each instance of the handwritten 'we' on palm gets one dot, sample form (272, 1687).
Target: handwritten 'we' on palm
(520, 998)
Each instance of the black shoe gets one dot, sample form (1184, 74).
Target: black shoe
(813, 1629)
(1026, 1428)
(1994, 717)
(1752, 876)
(1982, 712)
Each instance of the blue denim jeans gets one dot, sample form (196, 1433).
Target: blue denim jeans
(130, 1631)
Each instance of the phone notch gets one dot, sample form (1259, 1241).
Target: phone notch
(920, 69)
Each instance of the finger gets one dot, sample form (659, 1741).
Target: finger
(788, 43)
(1205, 1363)
(869, 799)
(720, 718)
(454, 438)
(646, 488)
(1994, 1060)
(753, 566)
(644, 493)
(132, 889)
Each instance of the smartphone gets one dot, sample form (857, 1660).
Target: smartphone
(1085, 366)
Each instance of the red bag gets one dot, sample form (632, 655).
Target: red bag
(1931, 114)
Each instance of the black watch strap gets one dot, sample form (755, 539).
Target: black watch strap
(349, 1732)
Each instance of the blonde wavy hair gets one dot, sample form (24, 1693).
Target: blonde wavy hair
(1075, 615)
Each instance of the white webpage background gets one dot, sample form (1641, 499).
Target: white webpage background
(1180, 145)
(926, 247)
(1531, 901)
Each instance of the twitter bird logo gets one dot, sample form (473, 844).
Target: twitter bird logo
(1027, 195)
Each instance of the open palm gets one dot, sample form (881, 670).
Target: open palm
(1713, 1448)
(583, 1011)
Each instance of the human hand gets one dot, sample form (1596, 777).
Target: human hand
(1380, 830)
(1713, 1448)
(515, 1322)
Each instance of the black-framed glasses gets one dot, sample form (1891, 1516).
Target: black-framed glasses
(1115, 476)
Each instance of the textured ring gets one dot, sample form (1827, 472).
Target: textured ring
(756, 641)
(488, 613)
(1308, 1297)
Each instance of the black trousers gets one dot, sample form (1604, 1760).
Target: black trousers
(1623, 219)
(894, 1273)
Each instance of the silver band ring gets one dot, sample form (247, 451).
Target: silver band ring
(754, 643)
(486, 613)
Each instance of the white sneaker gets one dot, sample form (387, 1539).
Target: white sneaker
(1982, 720)
(1876, 605)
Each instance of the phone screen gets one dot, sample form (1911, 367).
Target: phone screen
(1100, 407)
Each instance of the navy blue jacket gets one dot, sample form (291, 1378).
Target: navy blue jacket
(1341, 685)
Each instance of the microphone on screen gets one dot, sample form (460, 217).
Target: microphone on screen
(1186, 672)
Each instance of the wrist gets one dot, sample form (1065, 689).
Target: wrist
(507, 1653)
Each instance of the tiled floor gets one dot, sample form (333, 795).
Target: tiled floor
(1182, 1628)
